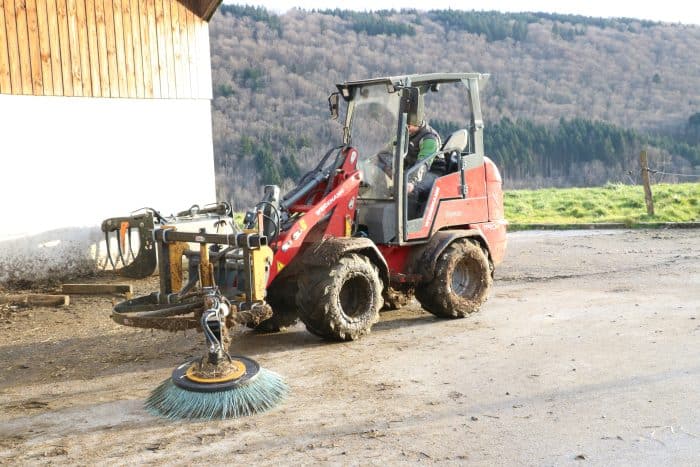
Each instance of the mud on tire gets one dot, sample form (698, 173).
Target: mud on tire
(396, 299)
(340, 302)
(281, 298)
(460, 284)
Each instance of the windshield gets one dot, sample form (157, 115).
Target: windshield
(373, 128)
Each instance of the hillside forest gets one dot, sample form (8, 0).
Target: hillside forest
(571, 100)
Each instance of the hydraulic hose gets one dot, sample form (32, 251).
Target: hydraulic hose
(304, 187)
(304, 190)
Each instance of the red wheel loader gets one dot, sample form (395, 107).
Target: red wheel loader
(349, 239)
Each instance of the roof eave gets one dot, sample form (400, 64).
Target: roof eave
(203, 8)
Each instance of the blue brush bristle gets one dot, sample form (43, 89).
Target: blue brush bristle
(266, 390)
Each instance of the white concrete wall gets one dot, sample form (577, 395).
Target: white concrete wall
(68, 163)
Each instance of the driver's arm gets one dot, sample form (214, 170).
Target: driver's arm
(426, 148)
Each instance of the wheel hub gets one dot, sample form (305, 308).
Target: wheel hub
(195, 376)
(461, 281)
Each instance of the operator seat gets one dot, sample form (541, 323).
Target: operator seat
(453, 147)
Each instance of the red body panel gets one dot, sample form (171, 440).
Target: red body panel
(340, 203)
(396, 257)
(494, 187)
(495, 230)
(482, 209)
(440, 212)
(495, 235)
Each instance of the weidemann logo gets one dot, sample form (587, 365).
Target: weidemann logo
(322, 209)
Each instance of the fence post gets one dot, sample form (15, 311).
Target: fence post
(647, 184)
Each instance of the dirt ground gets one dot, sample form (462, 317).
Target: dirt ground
(588, 351)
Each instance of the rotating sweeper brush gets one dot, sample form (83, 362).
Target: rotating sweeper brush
(247, 389)
(217, 385)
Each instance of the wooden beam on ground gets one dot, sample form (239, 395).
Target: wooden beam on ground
(36, 299)
(97, 289)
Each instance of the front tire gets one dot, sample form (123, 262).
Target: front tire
(461, 282)
(341, 302)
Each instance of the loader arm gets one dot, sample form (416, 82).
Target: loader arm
(329, 215)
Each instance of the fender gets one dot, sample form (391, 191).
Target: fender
(329, 251)
(426, 258)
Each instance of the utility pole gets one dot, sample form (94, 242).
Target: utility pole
(647, 184)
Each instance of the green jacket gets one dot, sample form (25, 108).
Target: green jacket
(425, 142)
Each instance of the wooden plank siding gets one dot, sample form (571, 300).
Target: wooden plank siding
(76, 71)
(111, 48)
(105, 48)
(129, 48)
(93, 49)
(192, 51)
(83, 43)
(136, 44)
(163, 67)
(5, 83)
(44, 49)
(203, 59)
(119, 44)
(151, 38)
(54, 47)
(64, 43)
(35, 47)
(166, 29)
(180, 77)
(13, 47)
(145, 49)
(23, 44)
(102, 54)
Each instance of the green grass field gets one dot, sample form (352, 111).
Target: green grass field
(611, 203)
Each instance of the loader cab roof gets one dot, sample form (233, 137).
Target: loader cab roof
(417, 80)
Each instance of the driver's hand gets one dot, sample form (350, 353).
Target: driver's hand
(409, 187)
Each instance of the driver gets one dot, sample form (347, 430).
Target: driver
(423, 141)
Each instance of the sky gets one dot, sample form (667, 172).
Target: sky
(672, 11)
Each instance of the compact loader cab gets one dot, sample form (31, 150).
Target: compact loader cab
(375, 124)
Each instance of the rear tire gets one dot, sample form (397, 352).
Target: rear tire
(341, 302)
(461, 282)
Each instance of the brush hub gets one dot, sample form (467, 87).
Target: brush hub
(239, 371)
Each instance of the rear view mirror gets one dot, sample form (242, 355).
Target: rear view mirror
(409, 100)
(333, 101)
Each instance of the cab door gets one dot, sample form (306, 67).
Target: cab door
(457, 199)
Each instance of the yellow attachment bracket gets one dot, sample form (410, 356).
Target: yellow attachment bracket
(206, 269)
(260, 262)
(175, 252)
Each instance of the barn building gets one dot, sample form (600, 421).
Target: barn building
(105, 107)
